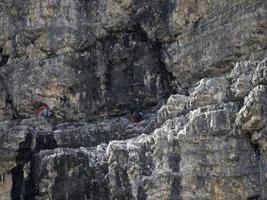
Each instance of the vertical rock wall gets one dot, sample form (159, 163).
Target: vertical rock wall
(195, 68)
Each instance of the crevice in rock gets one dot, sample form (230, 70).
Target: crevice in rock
(3, 58)
(165, 73)
(24, 155)
(138, 30)
(45, 142)
(29, 183)
(255, 146)
(254, 197)
(176, 189)
(15, 114)
(17, 182)
(25, 151)
(257, 150)
(141, 193)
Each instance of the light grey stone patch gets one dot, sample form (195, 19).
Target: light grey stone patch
(260, 74)
(209, 91)
(252, 116)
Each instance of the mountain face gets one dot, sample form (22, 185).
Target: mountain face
(195, 69)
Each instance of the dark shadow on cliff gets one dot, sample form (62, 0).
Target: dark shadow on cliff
(3, 58)
(24, 154)
(23, 187)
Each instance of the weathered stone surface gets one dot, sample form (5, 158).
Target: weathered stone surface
(205, 157)
(188, 12)
(241, 79)
(16, 139)
(4, 20)
(210, 91)
(124, 71)
(252, 116)
(96, 62)
(216, 158)
(176, 105)
(19, 139)
(145, 168)
(5, 186)
(48, 81)
(211, 45)
(260, 74)
(70, 174)
(52, 27)
(211, 169)
(88, 86)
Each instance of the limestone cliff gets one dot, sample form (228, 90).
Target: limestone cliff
(197, 69)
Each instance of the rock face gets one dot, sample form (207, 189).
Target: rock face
(196, 71)
(5, 187)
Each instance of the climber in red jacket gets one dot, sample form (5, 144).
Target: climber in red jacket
(42, 109)
(136, 117)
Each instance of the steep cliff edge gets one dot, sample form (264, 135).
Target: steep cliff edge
(196, 68)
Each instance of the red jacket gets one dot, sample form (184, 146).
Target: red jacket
(41, 108)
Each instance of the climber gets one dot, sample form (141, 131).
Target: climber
(136, 116)
(42, 109)
(137, 113)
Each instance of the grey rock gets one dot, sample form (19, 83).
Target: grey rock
(259, 76)
(67, 174)
(20, 139)
(127, 72)
(194, 69)
(252, 115)
(211, 45)
(208, 165)
(99, 83)
(17, 141)
(176, 105)
(209, 91)
(146, 167)
(196, 153)
(5, 186)
(155, 18)
(241, 78)
(47, 81)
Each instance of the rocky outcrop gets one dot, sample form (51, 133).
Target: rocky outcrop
(196, 70)
(216, 39)
(82, 174)
(212, 150)
(207, 152)
(5, 186)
